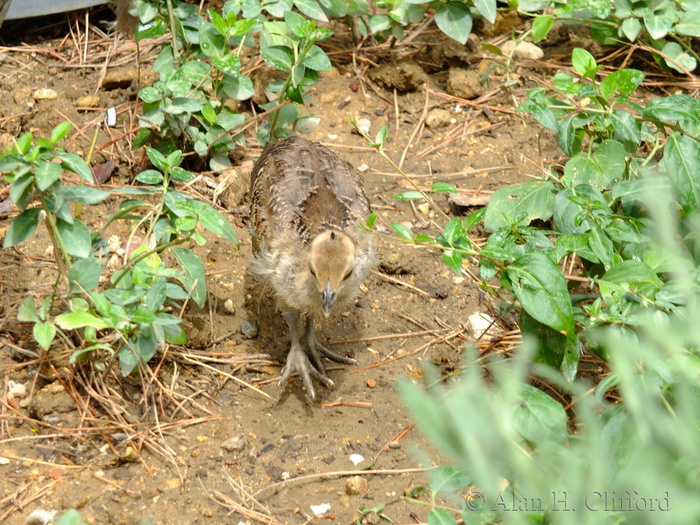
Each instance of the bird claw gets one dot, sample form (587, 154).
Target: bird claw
(298, 363)
(316, 348)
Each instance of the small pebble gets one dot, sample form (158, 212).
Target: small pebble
(363, 168)
(356, 486)
(228, 306)
(45, 94)
(371, 383)
(379, 113)
(234, 444)
(394, 444)
(250, 329)
(306, 126)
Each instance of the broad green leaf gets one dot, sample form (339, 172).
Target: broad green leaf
(311, 9)
(689, 23)
(127, 360)
(211, 42)
(279, 57)
(539, 418)
(76, 164)
(682, 161)
(449, 479)
(299, 25)
(316, 59)
(455, 20)
(601, 245)
(600, 168)
(174, 334)
(441, 517)
(631, 28)
(627, 129)
(541, 27)
(238, 87)
(539, 285)
(551, 345)
(194, 279)
(73, 320)
(84, 194)
(86, 273)
(659, 23)
(22, 227)
(678, 58)
(624, 81)
(487, 8)
(46, 173)
(27, 311)
(213, 221)
(59, 132)
(44, 334)
(631, 272)
(541, 113)
(76, 238)
(453, 259)
(571, 217)
(151, 177)
(402, 231)
(230, 64)
(523, 202)
(673, 108)
(584, 63)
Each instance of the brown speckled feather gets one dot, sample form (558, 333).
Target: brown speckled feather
(299, 189)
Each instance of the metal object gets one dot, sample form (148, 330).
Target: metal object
(28, 8)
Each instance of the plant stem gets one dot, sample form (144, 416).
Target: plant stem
(135, 260)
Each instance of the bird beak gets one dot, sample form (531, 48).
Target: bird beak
(327, 298)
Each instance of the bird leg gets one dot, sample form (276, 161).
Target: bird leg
(298, 361)
(315, 347)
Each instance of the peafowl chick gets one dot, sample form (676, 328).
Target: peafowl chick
(306, 203)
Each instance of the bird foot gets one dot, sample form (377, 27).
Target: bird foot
(316, 348)
(298, 363)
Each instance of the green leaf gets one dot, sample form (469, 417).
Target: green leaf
(46, 173)
(402, 231)
(689, 24)
(279, 57)
(627, 129)
(540, 286)
(541, 27)
(551, 345)
(157, 158)
(86, 273)
(76, 164)
(211, 42)
(673, 109)
(487, 8)
(230, 64)
(311, 9)
(542, 113)
(59, 132)
(449, 479)
(23, 143)
(412, 195)
(128, 360)
(143, 315)
(443, 187)
(44, 334)
(22, 227)
(213, 221)
(682, 162)
(76, 238)
(584, 63)
(71, 517)
(453, 259)
(658, 24)
(441, 517)
(238, 87)
(27, 311)
(455, 20)
(151, 177)
(678, 58)
(539, 418)
(299, 25)
(174, 335)
(631, 272)
(84, 194)
(601, 245)
(623, 80)
(631, 27)
(569, 366)
(569, 215)
(194, 279)
(73, 320)
(317, 59)
(523, 202)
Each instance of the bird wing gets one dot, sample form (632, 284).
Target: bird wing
(301, 188)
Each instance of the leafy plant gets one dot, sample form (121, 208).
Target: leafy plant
(667, 28)
(129, 317)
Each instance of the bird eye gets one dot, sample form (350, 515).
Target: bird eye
(313, 272)
(347, 275)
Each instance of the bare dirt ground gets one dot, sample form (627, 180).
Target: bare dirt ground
(264, 450)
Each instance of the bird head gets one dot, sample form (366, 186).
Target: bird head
(331, 263)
